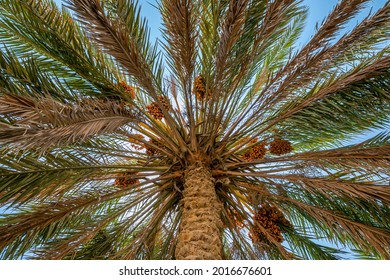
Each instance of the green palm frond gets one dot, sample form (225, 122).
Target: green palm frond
(59, 43)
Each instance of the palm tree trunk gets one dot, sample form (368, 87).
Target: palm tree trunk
(200, 229)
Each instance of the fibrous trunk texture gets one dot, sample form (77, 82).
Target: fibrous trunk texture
(200, 229)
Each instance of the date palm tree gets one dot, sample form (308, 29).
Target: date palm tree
(222, 140)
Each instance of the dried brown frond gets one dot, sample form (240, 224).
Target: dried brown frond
(180, 29)
(44, 122)
(232, 28)
(375, 160)
(351, 152)
(376, 68)
(115, 38)
(328, 187)
(364, 31)
(357, 156)
(296, 72)
(22, 108)
(273, 18)
(342, 12)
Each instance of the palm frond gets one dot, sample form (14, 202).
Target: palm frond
(58, 42)
(117, 39)
(43, 123)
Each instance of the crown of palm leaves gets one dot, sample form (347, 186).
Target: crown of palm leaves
(100, 128)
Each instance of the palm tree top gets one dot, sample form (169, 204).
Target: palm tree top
(223, 139)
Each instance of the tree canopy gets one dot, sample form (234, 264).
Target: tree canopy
(221, 136)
